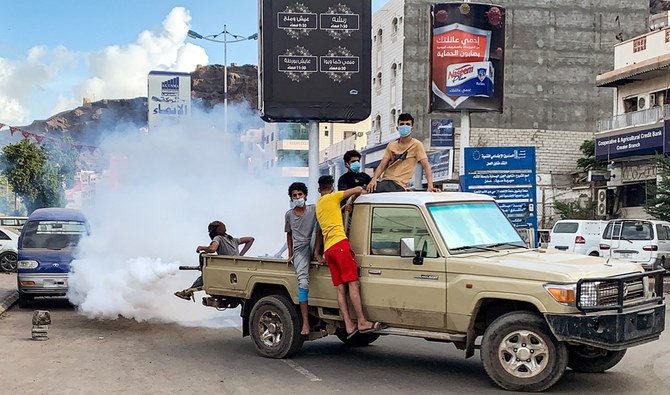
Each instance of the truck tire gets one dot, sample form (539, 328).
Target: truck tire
(274, 326)
(358, 340)
(8, 261)
(519, 353)
(587, 359)
(25, 300)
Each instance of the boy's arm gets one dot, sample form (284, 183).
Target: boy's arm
(318, 246)
(289, 244)
(352, 192)
(247, 241)
(213, 246)
(372, 185)
(429, 176)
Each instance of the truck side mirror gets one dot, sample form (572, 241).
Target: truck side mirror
(419, 255)
(407, 247)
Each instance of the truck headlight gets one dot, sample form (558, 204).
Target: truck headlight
(588, 296)
(562, 293)
(27, 264)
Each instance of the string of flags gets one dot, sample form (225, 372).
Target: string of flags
(51, 140)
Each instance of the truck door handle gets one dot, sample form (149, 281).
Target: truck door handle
(374, 271)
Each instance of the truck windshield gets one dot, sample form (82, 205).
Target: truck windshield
(53, 235)
(474, 226)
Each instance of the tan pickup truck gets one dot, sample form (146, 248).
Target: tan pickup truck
(450, 267)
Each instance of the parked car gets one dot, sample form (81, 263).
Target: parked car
(47, 245)
(13, 222)
(9, 239)
(646, 242)
(580, 236)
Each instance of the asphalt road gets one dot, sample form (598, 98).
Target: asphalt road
(123, 356)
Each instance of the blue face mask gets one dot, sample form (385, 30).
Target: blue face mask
(297, 203)
(404, 130)
(355, 166)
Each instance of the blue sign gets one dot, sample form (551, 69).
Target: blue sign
(508, 175)
(640, 142)
(442, 133)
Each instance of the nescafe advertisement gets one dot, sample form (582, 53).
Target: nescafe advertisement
(467, 57)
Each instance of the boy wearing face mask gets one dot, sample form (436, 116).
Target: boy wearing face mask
(354, 177)
(400, 159)
(299, 226)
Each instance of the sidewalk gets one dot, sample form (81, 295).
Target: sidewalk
(8, 293)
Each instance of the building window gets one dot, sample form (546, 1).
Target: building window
(667, 35)
(326, 133)
(379, 48)
(635, 195)
(393, 116)
(640, 44)
(378, 86)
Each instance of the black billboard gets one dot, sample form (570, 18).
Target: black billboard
(467, 57)
(315, 61)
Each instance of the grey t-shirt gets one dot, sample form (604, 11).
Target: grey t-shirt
(301, 226)
(228, 245)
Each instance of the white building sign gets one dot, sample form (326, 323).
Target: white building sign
(169, 97)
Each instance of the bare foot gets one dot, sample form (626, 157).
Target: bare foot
(305, 330)
(351, 328)
(365, 325)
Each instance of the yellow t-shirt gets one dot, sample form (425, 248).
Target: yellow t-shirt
(402, 161)
(329, 215)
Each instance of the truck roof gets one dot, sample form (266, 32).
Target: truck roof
(421, 198)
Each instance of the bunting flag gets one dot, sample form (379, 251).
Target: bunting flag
(39, 138)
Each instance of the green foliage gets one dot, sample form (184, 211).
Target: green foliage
(589, 161)
(37, 174)
(658, 196)
(574, 209)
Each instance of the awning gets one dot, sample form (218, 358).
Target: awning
(651, 68)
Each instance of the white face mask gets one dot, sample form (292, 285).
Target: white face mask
(297, 202)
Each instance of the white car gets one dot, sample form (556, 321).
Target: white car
(576, 235)
(9, 238)
(646, 242)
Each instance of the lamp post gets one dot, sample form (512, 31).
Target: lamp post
(225, 41)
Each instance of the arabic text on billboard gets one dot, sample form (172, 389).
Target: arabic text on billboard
(468, 44)
(169, 97)
(441, 133)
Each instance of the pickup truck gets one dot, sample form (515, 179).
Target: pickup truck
(450, 267)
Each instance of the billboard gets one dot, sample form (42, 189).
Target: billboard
(315, 60)
(640, 142)
(467, 57)
(168, 98)
(508, 175)
(441, 165)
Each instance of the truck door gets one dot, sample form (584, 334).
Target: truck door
(395, 290)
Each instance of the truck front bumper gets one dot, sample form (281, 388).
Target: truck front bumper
(610, 330)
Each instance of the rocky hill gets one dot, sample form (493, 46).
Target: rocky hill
(85, 122)
(656, 6)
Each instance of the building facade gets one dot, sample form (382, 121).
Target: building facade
(640, 125)
(554, 49)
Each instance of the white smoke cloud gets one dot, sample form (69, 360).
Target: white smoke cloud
(152, 211)
(114, 72)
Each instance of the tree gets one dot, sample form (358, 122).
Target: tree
(36, 174)
(573, 209)
(658, 196)
(589, 161)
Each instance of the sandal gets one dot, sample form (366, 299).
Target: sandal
(375, 327)
(185, 295)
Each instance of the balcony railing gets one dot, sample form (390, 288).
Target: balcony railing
(635, 118)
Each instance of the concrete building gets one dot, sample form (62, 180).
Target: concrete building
(640, 125)
(554, 50)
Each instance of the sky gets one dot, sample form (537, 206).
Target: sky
(54, 53)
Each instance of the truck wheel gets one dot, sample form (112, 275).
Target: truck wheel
(519, 353)
(25, 300)
(587, 359)
(8, 261)
(274, 325)
(358, 340)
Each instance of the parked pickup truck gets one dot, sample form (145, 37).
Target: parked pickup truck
(450, 267)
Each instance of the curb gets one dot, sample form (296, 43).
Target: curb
(8, 301)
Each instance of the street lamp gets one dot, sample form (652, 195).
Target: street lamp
(225, 41)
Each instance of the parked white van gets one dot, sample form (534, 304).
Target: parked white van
(577, 235)
(646, 242)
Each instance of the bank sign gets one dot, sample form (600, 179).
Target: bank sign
(641, 142)
(508, 175)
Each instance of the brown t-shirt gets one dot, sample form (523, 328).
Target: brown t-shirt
(402, 160)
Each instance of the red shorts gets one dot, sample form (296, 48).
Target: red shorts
(342, 263)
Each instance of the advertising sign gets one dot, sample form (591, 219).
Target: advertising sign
(467, 53)
(641, 142)
(315, 60)
(508, 175)
(441, 165)
(442, 133)
(169, 97)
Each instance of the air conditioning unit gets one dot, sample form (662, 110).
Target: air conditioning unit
(601, 209)
(642, 102)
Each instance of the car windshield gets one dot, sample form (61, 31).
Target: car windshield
(53, 235)
(474, 226)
